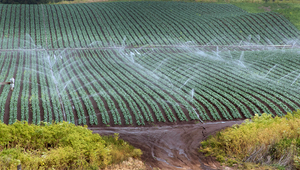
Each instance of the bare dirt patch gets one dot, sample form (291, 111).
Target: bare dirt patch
(170, 147)
(130, 164)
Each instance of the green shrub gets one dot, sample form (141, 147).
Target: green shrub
(231, 162)
(59, 146)
(261, 140)
(220, 158)
(297, 162)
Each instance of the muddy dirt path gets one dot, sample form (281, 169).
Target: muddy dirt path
(170, 147)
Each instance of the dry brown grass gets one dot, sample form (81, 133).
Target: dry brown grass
(130, 164)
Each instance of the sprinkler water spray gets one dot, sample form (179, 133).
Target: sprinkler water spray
(12, 83)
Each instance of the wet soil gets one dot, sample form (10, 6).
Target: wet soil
(171, 147)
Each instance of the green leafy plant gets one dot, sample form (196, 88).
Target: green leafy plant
(60, 146)
(262, 139)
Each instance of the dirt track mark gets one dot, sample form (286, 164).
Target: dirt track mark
(170, 147)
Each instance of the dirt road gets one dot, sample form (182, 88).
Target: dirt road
(170, 147)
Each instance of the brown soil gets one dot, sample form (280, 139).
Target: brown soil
(170, 147)
(131, 164)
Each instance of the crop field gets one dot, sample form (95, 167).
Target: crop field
(138, 23)
(141, 63)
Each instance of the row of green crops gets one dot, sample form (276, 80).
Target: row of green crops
(21, 26)
(138, 24)
(163, 23)
(5, 70)
(142, 86)
(126, 86)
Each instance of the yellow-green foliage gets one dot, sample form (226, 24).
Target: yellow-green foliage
(270, 138)
(59, 146)
(121, 150)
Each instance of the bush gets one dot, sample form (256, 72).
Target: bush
(261, 140)
(59, 146)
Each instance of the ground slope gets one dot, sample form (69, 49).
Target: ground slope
(145, 63)
(138, 24)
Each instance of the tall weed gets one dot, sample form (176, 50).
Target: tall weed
(262, 139)
(59, 146)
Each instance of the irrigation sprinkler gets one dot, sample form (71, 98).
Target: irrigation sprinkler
(11, 82)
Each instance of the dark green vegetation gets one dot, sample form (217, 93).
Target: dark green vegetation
(290, 11)
(263, 139)
(134, 63)
(59, 146)
(31, 1)
(138, 24)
